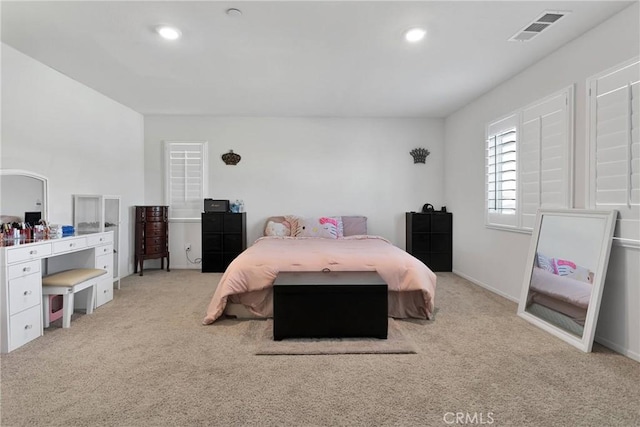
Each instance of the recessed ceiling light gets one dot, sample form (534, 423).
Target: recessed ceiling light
(415, 34)
(167, 32)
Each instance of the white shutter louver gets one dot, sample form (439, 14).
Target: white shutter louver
(615, 146)
(186, 178)
(545, 155)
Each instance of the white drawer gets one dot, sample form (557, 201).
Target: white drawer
(24, 292)
(99, 238)
(105, 262)
(69, 244)
(28, 253)
(104, 291)
(24, 269)
(103, 250)
(25, 326)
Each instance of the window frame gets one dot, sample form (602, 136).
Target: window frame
(516, 119)
(494, 129)
(195, 215)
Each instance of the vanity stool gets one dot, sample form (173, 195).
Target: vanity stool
(67, 283)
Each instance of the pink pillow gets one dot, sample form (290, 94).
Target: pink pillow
(354, 225)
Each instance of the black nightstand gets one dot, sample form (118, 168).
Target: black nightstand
(224, 237)
(430, 238)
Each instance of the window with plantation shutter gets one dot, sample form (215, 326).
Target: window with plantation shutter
(614, 143)
(186, 176)
(528, 162)
(501, 172)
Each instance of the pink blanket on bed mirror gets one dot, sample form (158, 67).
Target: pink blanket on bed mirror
(249, 278)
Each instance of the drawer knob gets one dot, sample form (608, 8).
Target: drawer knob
(33, 252)
(27, 292)
(71, 245)
(26, 269)
(28, 327)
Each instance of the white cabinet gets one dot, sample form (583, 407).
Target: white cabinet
(88, 214)
(98, 213)
(104, 260)
(21, 293)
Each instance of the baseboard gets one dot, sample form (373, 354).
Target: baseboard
(618, 348)
(183, 266)
(486, 286)
(605, 342)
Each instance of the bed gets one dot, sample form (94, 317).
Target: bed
(248, 280)
(560, 291)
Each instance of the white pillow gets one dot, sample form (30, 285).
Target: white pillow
(279, 229)
(325, 227)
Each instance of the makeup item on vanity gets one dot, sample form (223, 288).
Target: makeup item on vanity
(32, 218)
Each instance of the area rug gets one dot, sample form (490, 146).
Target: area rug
(396, 343)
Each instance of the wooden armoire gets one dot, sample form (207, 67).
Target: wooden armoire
(152, 236)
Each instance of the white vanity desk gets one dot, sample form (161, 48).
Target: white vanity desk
(22, 265)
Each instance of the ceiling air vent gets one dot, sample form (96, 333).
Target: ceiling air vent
(534, 28)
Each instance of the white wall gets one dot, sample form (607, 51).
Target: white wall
(496, 259)
(84, 142)
(305, 166)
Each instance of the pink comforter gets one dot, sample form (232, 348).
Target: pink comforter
(566, 289)
(249, 278)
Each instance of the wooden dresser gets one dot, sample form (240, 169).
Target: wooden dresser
(152, 236)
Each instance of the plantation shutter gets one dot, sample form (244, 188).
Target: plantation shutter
(544, 155)
(615, 146)
(501, 172)
(186, 177)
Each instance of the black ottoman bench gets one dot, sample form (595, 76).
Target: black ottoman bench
(335, 304)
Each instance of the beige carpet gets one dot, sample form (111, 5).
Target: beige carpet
(144, 359)
(262, 333)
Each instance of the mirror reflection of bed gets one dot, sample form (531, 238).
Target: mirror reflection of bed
(567, 263)
(560, 292)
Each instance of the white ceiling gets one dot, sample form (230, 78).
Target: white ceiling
(286, 58)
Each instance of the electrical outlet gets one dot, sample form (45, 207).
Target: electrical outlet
(187, 247)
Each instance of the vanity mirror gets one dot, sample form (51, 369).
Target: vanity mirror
(565, 273)
(21, 192)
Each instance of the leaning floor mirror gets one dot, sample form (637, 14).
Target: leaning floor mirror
(565, 273)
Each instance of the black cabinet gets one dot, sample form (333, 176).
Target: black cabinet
(429, 238)
(224, 236)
